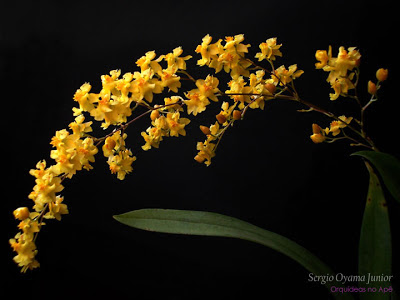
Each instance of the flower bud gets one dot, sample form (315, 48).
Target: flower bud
(372, 88)
(21, 213)
(199, 158)
(270, 87)
(382, 74)
(237, 114)
(317, 138)
(154, 115)
(316, 128)
(221, 118)
(205, 130)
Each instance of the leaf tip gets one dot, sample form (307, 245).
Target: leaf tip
(117, 217)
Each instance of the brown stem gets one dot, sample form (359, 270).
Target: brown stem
(314, 107)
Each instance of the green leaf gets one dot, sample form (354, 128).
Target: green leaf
(388, 167)
(213, 224)
(375, 249)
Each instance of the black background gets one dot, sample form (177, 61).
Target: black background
(266, 172)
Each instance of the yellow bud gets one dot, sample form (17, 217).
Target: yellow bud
(221, 118)
(270, 87)
(317, 138)
(199, 158)
(371, 88)
(205, 130)
(21, 213)
(154, 115)
(382, 74)
(237, 114)
(316, 128)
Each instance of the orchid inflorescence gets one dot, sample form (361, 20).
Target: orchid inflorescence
(251, 85)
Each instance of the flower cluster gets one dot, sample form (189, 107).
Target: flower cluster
(73, 152)
(74, 149)
(247, 89)
(340, 68)
(254, 92)
(113, 103)
(229, 56)
(214, 133)
(343, 76)
(166, 121)
(24, 243)
(320, 135)
(120, 159)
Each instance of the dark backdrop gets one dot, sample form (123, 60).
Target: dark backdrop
(267, 171)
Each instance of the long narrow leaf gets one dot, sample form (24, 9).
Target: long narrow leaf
(388, 167)
(375, 249)
(213, 224)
